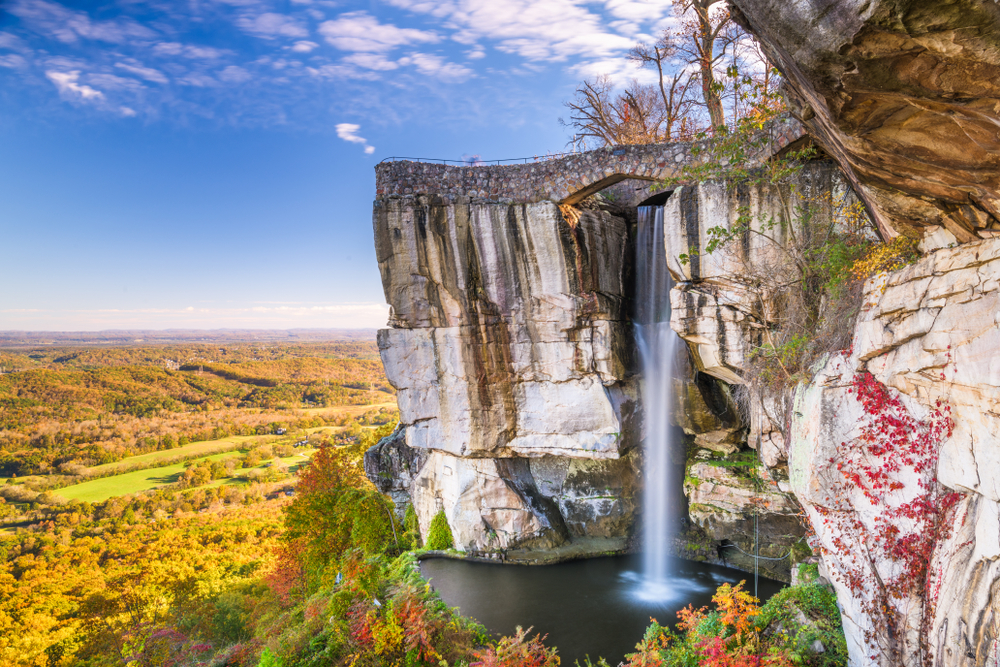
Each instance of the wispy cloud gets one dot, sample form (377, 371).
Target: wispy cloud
(437, 67)
(66, 25)
(349, 132)
(192, 51)
(67, 84)
(147, 73)
(270, 25)
(552, 30)
(298, 58)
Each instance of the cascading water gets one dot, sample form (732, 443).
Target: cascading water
(657, 345)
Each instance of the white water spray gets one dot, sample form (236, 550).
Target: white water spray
(657, 350)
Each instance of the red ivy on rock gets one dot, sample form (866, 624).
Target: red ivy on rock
(893, 448)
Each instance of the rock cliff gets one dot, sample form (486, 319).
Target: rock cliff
(513, 361)
(931, 334)
(903, 94)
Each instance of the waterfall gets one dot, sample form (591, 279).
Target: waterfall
(657, 345)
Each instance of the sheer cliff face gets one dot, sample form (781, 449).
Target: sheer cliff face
(930, 333)
(904, 94)
(509, 344)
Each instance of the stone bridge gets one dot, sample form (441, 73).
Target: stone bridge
(566, 180)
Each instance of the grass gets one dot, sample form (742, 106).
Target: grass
(99, 490)
(193, 450)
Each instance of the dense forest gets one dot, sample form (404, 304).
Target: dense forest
(66, 408)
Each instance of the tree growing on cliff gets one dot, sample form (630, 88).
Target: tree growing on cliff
(699, 67)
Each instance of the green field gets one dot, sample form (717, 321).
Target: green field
(99, 490)
(195, 449)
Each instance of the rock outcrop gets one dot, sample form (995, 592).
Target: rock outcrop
(713, 306)
(931, 333)
(904, 95)
(512, 356)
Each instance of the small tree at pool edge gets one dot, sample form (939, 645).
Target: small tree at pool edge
(439, 535)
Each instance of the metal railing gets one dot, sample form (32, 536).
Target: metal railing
(477, 162)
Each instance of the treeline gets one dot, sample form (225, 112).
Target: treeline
(26, 358)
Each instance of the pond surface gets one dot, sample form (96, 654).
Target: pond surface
(596, 607)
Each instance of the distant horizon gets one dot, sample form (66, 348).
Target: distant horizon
(10, 339)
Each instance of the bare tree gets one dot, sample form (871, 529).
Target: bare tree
(599, 113)
(673, 87)
(702, 35)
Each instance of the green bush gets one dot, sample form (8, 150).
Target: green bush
(411, 527)
(439, 536)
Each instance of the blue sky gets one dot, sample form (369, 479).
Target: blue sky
(209, 163)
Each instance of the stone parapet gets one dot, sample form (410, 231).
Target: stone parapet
(566, 180)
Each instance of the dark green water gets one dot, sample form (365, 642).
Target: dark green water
(596, 607)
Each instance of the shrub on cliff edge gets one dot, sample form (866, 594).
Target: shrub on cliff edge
(439, 535)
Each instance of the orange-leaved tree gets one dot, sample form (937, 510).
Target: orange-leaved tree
(336, 509)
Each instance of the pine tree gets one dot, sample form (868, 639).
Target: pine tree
(439, 536)
(411, 525)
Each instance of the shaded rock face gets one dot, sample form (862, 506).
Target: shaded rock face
(711, 305)
(739, 511)
(930, 332)
(513, 359)
(904, 95)
(392, 467)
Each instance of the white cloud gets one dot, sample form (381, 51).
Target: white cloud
(68, 26)
(13, 61)
(475, 54)
(198, 80)
(189, 51)
(234, 74)
(554, 30)
(341, 72)
(375, 61)
(619, 69)
(304, 46)
(359, 31)
(349, 132)
(437, 67)
(269, 25)
(11, 41)
(639, 10)
(147, 73)
(66, 83)
(127, 112)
